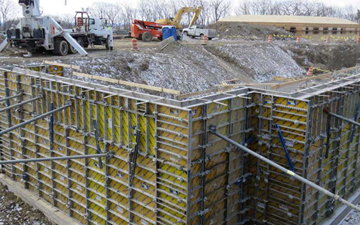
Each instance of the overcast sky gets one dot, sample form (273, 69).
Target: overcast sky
(57, 7)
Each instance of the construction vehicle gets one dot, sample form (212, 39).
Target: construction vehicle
(145, 30)
(176, 21)
(38, 33)
(199, 31)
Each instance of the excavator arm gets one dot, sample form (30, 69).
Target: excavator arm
(196, 15)
(176, 21)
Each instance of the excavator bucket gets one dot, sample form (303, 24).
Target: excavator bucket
(3, 45)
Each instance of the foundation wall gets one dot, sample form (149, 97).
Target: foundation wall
(183, 174)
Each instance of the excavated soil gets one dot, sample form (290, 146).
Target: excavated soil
(13, 211)
(246, 31)
(325, 56)
(189, 67)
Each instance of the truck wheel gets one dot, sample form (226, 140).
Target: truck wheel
(107, 44)
(72, 50)
(61, 48)
(147, 37)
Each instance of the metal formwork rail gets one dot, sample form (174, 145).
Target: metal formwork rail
(53, 159)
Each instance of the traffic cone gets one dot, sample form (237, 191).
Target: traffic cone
(205, 40)
(134, 44)
(270, 38)
(311, 71)
(298, 39)
(358, 40)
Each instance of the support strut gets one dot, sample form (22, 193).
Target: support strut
(283, 143)
(11, 97)
(55, 158)
(33, 120)
(20, 104)
(327, 111)
(336, 197)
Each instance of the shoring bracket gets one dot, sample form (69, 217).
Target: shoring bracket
(212, 130)
(355, 119)
(133, 156)
(283, 143)
(97, 138)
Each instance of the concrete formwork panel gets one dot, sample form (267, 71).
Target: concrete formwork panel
(166, 166)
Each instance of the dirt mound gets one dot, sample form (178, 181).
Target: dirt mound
(178, 67)
(262, 62)
(14, 211)
(245, 31)
(325, 56)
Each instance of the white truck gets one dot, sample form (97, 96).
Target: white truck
(38, 33)
(199, 31)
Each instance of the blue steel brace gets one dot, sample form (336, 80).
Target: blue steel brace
(284, 147)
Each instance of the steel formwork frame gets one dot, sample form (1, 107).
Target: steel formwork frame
(183, 174)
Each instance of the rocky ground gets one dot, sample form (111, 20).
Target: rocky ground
(13, 211)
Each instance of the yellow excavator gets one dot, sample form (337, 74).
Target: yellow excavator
(176, 21)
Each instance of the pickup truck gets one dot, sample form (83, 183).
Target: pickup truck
(199, 31)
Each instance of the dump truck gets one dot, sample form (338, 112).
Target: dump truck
(37, 33)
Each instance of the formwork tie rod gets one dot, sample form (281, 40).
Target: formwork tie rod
(20, 104)
(11, 97)
(32, 120)
(212, 130)
(54, 158)
(327, 111)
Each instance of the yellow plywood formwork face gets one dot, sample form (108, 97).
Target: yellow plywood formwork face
(176, 171)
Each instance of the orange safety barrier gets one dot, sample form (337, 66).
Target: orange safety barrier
(311, 71)
(134, 44)
(205, 40)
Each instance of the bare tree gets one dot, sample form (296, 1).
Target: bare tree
(128, 15)
(109, 11)
(219, 9)
(8, 11)
(294, 8)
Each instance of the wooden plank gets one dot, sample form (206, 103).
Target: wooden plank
(127, 83)
(322, 76)
(63, 65)
(208, 91)
(52, 213)
(248, 84)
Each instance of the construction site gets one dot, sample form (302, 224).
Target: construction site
(253, 124)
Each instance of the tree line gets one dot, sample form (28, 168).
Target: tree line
(120, 15)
